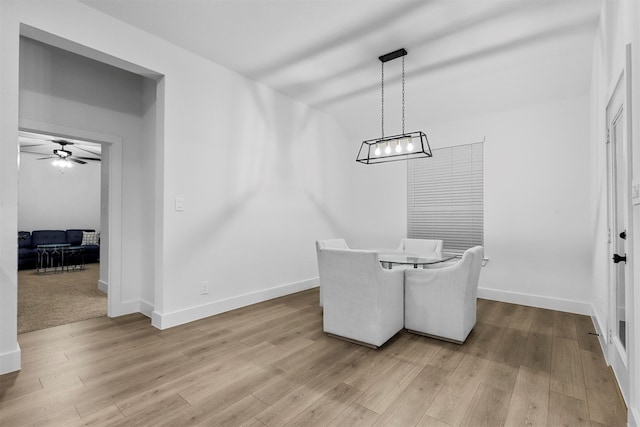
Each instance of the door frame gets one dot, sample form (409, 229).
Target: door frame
(618, 103)
(110, 205)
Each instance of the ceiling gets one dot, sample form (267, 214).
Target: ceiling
(464, 57)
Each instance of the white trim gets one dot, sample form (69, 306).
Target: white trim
(168, 320)
(103, 287)
(559, 304)
(125, 307)
(11, 361)
(602, 333)
(145, 308)
(633, 419)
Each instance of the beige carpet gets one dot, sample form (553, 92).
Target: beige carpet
(46, 300)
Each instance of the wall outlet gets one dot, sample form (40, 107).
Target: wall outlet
(204, 287)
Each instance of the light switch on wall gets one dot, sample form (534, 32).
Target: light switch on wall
(179, 204)
(635, 191)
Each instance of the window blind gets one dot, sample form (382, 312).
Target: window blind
(445, 197)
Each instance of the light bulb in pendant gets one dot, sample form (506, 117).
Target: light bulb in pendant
(377, 150)
(387, 149)
(409, 144)
(398, 146)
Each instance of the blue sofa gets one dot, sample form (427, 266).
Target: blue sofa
(28, 242)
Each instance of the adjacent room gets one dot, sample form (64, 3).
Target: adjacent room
(59, 222)
(321, 213)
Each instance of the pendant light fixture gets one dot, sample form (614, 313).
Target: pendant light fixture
(405, 146)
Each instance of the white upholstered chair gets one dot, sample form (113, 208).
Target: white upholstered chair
(441, 303)
(328, 244)
(362, 301)
(423, 247)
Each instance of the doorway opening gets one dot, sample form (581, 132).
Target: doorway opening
(59, 223)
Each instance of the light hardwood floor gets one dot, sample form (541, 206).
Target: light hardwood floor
(271, 364)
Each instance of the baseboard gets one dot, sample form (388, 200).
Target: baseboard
(168, 320)
(558, 304)
(634, 418)
(146, 308)
(103, 286)
(125, 307)
(602, 333)
(10, 361)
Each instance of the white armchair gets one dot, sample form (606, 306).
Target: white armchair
(363, 302)
(328, 244)
(441, 303)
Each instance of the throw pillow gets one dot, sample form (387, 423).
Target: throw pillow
(90, 237)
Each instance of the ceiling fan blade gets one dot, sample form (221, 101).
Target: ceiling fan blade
(88, 151)
(76, 160)
(32, 145)
(45, 158)
(87, 158)
(33, 152)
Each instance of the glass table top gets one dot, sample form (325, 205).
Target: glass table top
(414, 259)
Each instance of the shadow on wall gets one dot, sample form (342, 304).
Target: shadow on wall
(513, 45)
(485, 17)
(338, 39)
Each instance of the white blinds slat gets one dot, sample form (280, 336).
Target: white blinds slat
(445, 197)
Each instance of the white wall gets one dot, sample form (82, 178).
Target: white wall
(262, 177)
(51, 199)
(619, 25)
(537, 236)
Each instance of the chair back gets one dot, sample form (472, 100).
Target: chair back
(423, 247)
(331, 244)
(476, 254)
(362, 301)
(356, 268)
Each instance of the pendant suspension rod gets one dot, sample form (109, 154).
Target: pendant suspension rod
(403, 94)
(382, 103)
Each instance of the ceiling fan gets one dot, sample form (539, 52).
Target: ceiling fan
(62, 156)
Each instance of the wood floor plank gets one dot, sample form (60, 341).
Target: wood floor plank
(236, 414)
(537, 352)
(325, 409)
(410, 405)
(488, 408)
(567, 411)
(483, 341)
(564, 325)
(448, 357)
(427, 421)
(354, 416)
(530, 399)
(566, 368)
(108, 416)
(522, 318)
(500, 376)
(220, 398)
(379, 395)
(604, 406)
(458, 391)
(271, 364)
(586, 332)
(497, 314)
